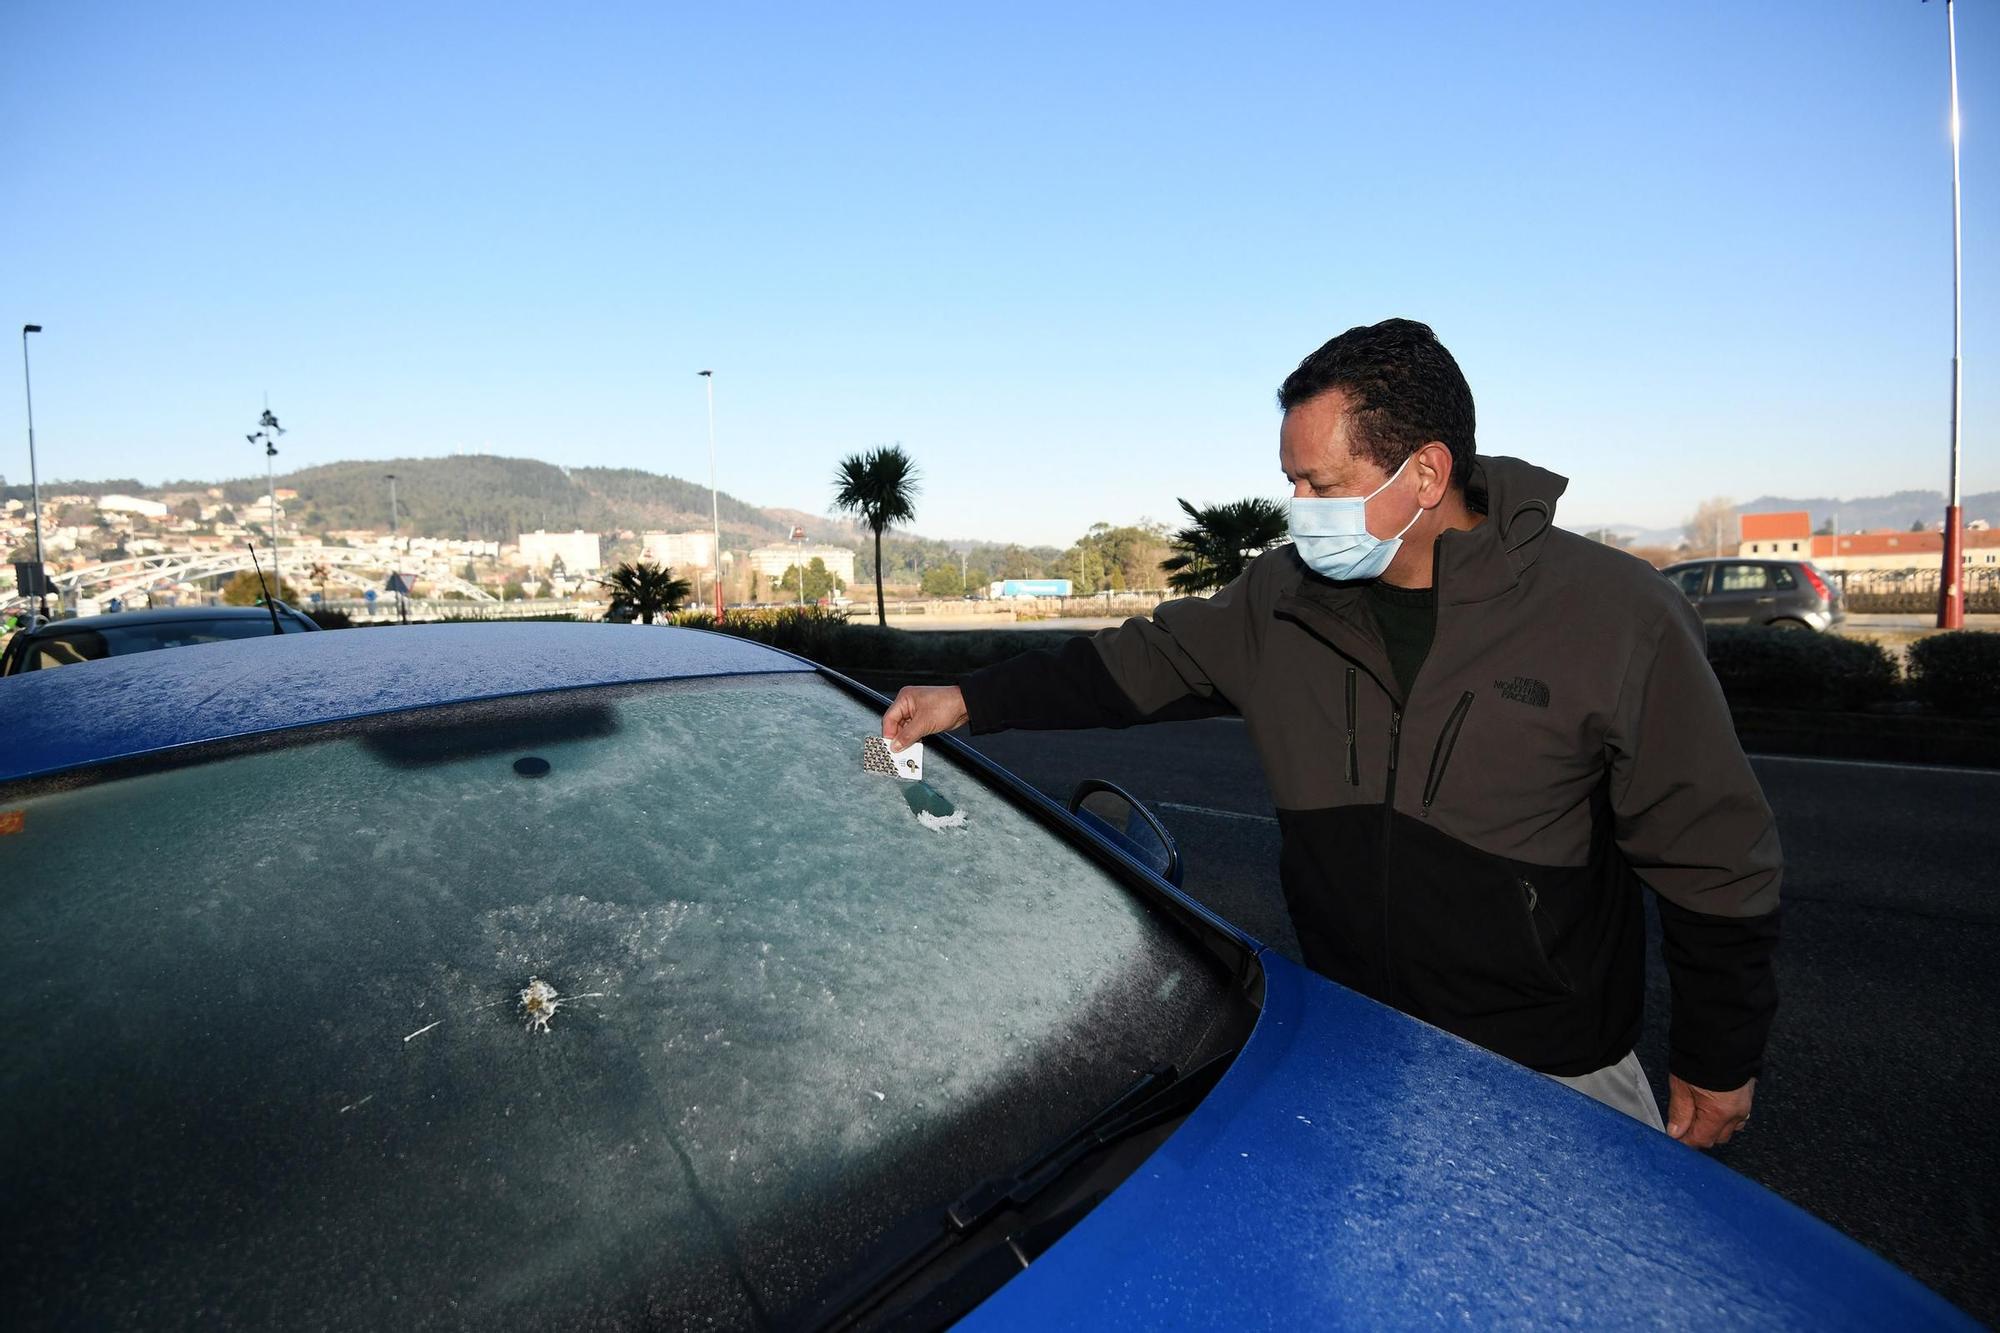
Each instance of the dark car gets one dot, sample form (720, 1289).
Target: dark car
(577, 976)
(1785, 594)
(52, 643)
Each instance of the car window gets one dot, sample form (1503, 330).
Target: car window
(1742, 578)
(634, 1006)
(1783, 579)
(60, 647)
(1689, 580)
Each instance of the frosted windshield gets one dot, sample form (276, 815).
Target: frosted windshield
(611, 1006)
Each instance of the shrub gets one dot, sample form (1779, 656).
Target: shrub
(1957, 672)
(1783, 668)
(327, 619)
(826, 637)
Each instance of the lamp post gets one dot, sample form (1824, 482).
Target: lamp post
(799, 536)
(390, 477)
(267, 433)
(34, 477)
(714, 500)
(1951, 584)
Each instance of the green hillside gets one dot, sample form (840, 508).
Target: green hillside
(482, 497)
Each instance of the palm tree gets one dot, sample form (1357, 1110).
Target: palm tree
(643, 589)
(1222, 542)
(880, 486)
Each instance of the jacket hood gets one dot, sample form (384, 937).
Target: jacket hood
(1519, 501)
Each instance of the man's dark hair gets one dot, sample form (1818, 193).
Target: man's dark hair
(1403, 390)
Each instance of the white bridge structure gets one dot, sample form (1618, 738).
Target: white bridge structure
(146, 574)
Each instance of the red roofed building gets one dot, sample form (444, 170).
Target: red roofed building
(1790, 534)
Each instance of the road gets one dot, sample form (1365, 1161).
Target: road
(1876, 1107)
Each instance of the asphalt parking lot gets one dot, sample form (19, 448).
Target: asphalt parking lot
(1876, 1109)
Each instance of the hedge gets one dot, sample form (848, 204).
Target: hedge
(826, 637)
(1957, 672)
(1783, 668)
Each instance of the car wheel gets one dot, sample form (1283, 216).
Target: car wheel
(1789, 624)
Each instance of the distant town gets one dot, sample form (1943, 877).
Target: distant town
(180, 545)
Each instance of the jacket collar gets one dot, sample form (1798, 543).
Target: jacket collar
(1473, 565)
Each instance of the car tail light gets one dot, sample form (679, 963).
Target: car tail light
(1818, 583)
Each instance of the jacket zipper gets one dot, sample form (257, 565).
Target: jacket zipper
(1388, 832)
(1441, 756)
(1353, 759)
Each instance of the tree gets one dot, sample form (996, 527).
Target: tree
(881, 488)
(643, 589)
(1713, 526)
(1221, 542)
(820, 581)
(943, 581)
(245, 590)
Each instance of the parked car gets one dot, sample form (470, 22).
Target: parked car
(548, 975)
(51, 643)
(1785, 594)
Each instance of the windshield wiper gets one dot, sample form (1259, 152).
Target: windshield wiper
(1161, 1094)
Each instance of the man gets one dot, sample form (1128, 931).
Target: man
(1483, 735)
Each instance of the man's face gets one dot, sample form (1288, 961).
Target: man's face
(1314, 451)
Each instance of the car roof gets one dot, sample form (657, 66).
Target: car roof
(156, 615)
(144, 703)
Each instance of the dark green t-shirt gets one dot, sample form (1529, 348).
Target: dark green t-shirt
(1407, 618)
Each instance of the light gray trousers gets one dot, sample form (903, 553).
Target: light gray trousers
(1622, 1087)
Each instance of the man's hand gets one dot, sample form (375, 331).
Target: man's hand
(920, 711)
(1700, 1118)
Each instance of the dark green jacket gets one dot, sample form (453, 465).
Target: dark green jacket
(1473, 853)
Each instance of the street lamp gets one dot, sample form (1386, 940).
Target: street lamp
(714, 500)
(799, 536)
(1951, 589)
(267, 433)
(34, 477)
(390, 477)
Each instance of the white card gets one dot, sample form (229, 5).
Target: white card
(907, 763)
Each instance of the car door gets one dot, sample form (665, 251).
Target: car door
(1692, 580)
(1740, 593)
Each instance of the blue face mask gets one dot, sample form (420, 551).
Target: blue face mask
(1332, 535)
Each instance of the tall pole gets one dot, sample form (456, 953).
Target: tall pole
(714, 500)
(390, 477)
(34, 477)
(271, 494)
(1951, 589)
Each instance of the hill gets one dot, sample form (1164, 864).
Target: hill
(488, 498)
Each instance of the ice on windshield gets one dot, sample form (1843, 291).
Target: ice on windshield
(396, 1017)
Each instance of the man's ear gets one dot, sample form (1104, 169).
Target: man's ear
(1433, 473)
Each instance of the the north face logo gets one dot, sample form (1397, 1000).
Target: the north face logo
(1524, 690)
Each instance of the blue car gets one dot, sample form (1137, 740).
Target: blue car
(521, 975)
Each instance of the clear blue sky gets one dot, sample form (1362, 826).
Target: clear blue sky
(1064, 254)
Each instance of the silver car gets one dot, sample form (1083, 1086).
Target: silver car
(1785, 594)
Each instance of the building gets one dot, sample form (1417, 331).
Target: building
(131, 504)
(772, 561)
(1791, 534)
(679, 550)
(577, 550)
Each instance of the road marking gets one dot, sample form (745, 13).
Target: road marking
(1210, 810)
(1877, 763)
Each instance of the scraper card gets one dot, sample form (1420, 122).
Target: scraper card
(907, 763)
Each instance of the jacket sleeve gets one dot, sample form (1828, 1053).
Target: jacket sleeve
(1190, 659)
(1693, 823)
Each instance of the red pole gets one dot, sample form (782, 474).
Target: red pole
(1951, 586)
(1951, 579)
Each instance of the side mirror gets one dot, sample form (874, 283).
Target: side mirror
(1117, 817)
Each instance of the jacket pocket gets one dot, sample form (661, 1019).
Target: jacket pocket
(1540, 936)
(1441, 752)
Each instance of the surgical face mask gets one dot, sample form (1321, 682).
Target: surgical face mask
(1332, 537)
